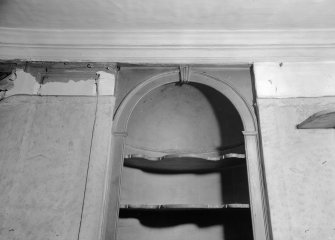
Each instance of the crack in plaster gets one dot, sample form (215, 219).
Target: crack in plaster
(90, 154)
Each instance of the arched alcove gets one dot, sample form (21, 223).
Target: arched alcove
(131, 137)
(189, 118)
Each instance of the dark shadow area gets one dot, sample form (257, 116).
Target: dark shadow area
(234, 181)
(236, 222)
(229, 120)
(183, 165)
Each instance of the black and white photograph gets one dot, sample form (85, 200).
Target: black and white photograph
(167, 120)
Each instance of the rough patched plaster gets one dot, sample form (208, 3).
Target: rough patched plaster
(24, 83)
(68, 85)
(54, 151)
(65, 83)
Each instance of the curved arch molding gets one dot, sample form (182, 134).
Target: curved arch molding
(124, 111)
(257, 190)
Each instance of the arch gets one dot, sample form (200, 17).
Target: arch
(257, 190)
(127, 106)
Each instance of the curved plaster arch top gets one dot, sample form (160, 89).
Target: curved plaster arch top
(128, 104)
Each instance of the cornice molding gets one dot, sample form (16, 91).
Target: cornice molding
(170, 46)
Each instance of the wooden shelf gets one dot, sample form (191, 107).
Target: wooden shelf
(183, 206)
(184, 163)
(320, 120)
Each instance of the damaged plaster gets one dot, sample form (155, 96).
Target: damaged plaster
(24, 83)
(54, 148)
(57, 79)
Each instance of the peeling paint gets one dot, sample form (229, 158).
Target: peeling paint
(73, 79)
(25, 83)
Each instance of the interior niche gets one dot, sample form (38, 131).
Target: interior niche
(184, 174)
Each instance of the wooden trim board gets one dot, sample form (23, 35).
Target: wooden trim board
(168, 46)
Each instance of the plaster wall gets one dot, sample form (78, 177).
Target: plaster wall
(45, 144)
(43, 187)
(53, 156)
(299, 163)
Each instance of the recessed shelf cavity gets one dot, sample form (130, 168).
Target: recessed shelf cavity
(184, 163)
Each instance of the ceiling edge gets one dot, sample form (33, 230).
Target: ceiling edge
(170, 46)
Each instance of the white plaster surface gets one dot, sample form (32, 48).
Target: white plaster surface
(300, 169)
(25, 83)
(63, 83)
(282, 80)
(106, 83)
(44, 152)
(140, 187)
(69, 84)
(100, 156)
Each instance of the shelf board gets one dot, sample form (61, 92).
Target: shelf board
(184, 163)
(183, 206)
(320, 120)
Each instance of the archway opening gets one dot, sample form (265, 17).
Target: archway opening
(185, 173)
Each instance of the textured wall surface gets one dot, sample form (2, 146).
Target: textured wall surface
(299, 163)
(100, 158)
(300, 169)
(45, 144)
(54, 151)
(45, 147)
